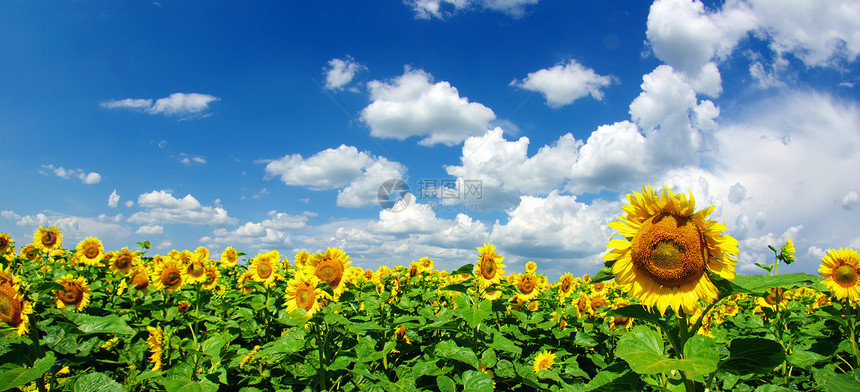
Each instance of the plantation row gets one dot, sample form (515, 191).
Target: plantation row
(666, 313)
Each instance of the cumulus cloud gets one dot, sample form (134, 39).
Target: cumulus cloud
(268, 233)
(180, 104)
(86, 178)
(11, 215)
(76, 228)
(357, 174)
(565, 83)
(412, 105)
(339, 72)
(427, 9)
(162, 207)
(191, 160)
(851, 200)
(150, 229)
(113, 199)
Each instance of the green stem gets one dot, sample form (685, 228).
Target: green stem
(852, 326)
(689, 385)
(37, 347)
(320, 348)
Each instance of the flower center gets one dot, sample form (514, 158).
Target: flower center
(488, 268)
(565, 285)
(670, 249)
(305, 298)
(210, 278)
(10, 307)
(330, 271)
(49, 238)
(526, 286)
(171, 278)
(545, 364)
(91, 251)
(122, 262)
(4, 243)
(196, 269)
(140, 281)
(845, 275)
(264, 270)
(71, 295)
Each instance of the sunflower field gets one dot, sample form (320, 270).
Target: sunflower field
(666, 313)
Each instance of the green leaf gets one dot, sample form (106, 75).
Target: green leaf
(846, 382)
(446, 384)
(475, 381)
(363, 327)
(212, 346)
(467, 269)
(702, 352)
(501, 343)
(764, 266)
(805, 359)
(642, 348)
(19, 376)
(449, 349)
(455, 287)
(96, 382)
(473, 316)
(637, 312)
(603, 275)
(181, 385)
(760, 284)
(111, 324)
(753, 356)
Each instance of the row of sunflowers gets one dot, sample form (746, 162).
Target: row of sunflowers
(666, 313)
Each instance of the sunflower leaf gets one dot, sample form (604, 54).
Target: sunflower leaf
(604, 274)
(637, 312)
(753, 355)
(475, 381)
(702, 352)
(96, 382)
(464, 270)
(643, 350)
(449, 349)
(844, 382)
(19, 376)
(761, 284)
(112, 324)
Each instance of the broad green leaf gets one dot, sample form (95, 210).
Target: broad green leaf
(804, 359)
(845, 382)
(603, 275)
(764, 266)
(467, 269)
(455, 287)
(753, 356)
(637, 312)
(606, 377)
(446, 384)
(772, 388)
(96, 382)
(505, 368)
(362, 327)
(488, 358)
(20, 376)
(181, 385)
(501, 343)
(449, 349)
(473, 316)
(93, 324)
(212, 346)
(760, 284)
(475, 381)
(702, 352)
(642, 348)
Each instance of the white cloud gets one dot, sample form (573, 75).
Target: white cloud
(86, 178)
(129, 203)
(357, 174)
(175, 104)
(412, 105)
(11, 215)
(76, 228)
(271, 232)
(150, 229)
(190, 160)
(162, 207)
(113, 199)
(851, 200)
(426, 9)
(340, 72)
(164, 245)
(565, 83)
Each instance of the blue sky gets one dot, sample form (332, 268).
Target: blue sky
(271, 125)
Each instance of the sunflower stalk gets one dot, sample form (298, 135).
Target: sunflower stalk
(37, 348)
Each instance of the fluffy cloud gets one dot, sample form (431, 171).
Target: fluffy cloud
(113, 199)
(412, 105)
(266, 234)
(150, 229)
(190, 160)
(176, 104)
(86, 178)
(357, 174)
(75, 228)
(565, 83)
(340, 72)
(426, 9)
(163, 207)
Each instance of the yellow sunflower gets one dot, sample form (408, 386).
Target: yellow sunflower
(264, 267)
(195, 271)
(302, 292)
(5, 243)
(139, 279)
(330, 267)
(48, 239)
(155, 342)
(124, 261)
(666, 249)
(531, 267)
(841, 272)
(229, 258)
(302, 258)
(425, 264)
(30, 252)
(75, 293)
(13, 308)
(212, 277)
(527, 284)
(565, 286)
(202, 253)
(489, 268)
(168, 275)
(544, 361)
(90, 251)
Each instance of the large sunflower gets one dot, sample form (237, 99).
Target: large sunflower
(330, 267)
(264, 268)
(489, 268)
(5, 243)
(666, 249)
(13, 308)
(75, 293)
(90, 251)
(527, 284)
(124, 261)
(841, 272)
(168, 275)
(229, 258)
(195, 271)
(302, 292)
(48, 239)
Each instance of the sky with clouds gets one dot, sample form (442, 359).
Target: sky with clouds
(523, 123)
